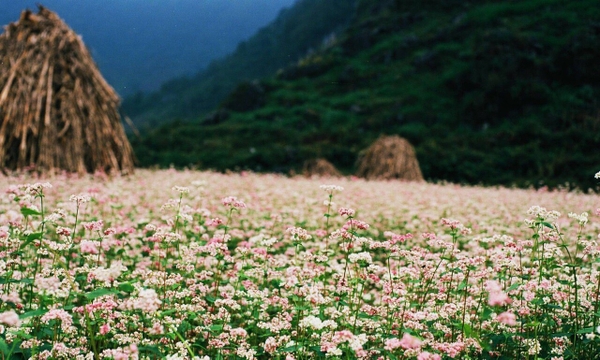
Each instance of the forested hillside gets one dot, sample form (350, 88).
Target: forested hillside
(297, 30)
(491, 92)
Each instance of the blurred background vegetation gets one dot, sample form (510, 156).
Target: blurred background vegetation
(494, 92)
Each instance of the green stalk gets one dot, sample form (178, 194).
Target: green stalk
(465, 302)
(327, 216)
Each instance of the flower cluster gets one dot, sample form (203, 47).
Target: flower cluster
(428, 272)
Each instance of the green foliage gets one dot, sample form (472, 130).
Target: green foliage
(489, 92)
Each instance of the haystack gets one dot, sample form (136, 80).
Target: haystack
(319, 167)
(56, 110)
(390, 157)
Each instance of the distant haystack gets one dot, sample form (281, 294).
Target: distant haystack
(390, 157)
(56, 110)
(319, 167)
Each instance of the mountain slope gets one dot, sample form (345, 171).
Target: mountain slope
(297, 29)
(491, 92)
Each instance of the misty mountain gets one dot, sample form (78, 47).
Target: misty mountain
(299, 30)
(139, 44)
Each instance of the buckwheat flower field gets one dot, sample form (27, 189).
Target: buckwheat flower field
(200, 265)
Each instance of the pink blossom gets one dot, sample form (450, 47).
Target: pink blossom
(58, 314)
(425, 355)
(270, 345)
(63, 231)
(355, 224)
(346, 212)
(88, 247)
(147, 301)
(10, 318)
(507, 318)
(80, 199)
(321, 232)
(410, 342)
(233, 202)
(94, 225)
(392, 344)
(498, 298)
(104, 329)
(395, 238)
(214, 222)
(298, 233)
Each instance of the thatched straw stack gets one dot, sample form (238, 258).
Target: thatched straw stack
(390, 157)
(319, 168)
(56, 110)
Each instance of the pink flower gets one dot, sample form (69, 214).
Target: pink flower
(58, 314)
(392, 344)
(63, 231)
(346, 212)
(94, 225)
(395, 238)
(270, 345)
(298, 233)
(214, 222)
(410, 342)
(147, 301)
(88, 247)
(357, 224)
(507, 318)
(10, 318)
(104, 329)
(498, 298)
(321, 232)
(407, 342)
(233, 202)
(425, 355)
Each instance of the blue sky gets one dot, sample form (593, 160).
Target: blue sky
(139, 44)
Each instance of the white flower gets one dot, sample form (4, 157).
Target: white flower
(311, 322)
(181, 189)
(331, 188)
(582, 218)
(360, 257)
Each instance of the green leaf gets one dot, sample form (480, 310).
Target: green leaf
(514, 286)
(29, 212)
(364, 315)
(216, 328)
(31, 313)
(468, 330)
(30, 238)
(290, 348)
(126, 287)
(276, 283)
(99, 292)
(4, 347)
(547, 224)
(150, 349)
(587, 330)
(184, 327)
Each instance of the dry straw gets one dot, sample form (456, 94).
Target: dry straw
(390, 157)
(319, 168)
(56, 110)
